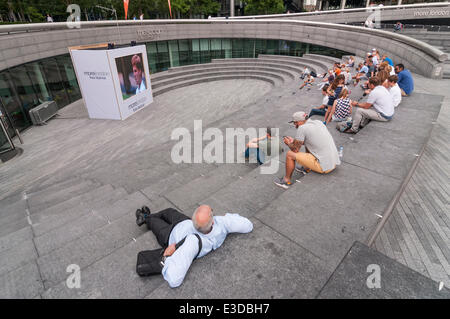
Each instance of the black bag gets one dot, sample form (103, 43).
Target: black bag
(313, 74)
(149, 262)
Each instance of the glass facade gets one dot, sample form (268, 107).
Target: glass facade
(26, 86)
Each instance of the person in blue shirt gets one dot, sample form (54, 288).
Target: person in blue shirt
(388, 59)
(405, 79)
(172, 227)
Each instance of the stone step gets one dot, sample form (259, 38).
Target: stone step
(90, 248)
(43, 224)
(49, 199)
(160, 91)
(189, 195)
(320, 66)
(21, 283)
(321, 57)
(113, 276)
(17, 256)
(86, 224)
(41, 189)
(208, 68)
(9, 210)
(11, 240)
(245, 196)
(216, 73)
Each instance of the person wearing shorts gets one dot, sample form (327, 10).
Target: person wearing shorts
(321, 155)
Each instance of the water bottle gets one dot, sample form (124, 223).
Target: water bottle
(341, 151)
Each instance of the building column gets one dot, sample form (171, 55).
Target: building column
(231, 8)
(367, 3)
(399, 2)
(343, 2)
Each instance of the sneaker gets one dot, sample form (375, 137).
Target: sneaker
(302, 170)
(140, 217)
(282, 183)
(349, 131)
(146, 211)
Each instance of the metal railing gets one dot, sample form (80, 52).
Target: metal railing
(342, 11)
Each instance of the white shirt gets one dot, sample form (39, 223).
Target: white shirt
(396, 94)
(381, 101)
(177, 265)
(375, 60)
(325, 100)
(141, 88)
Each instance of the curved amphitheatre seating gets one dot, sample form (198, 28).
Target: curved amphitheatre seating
(325, 58)
(273, 69)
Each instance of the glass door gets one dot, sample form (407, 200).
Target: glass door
(5, 141)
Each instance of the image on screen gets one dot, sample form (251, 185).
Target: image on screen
(131, 73)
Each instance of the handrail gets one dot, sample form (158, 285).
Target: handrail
(365, 9)
(430, 50)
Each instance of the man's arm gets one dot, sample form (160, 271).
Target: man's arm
(177, 265)
(365, 105)
(234, 223)
(293, 144)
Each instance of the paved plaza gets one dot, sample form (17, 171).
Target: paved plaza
(75, 189)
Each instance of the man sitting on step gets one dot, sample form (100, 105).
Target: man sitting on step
(172, 227)
(321, 154)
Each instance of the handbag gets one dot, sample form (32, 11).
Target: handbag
(150, 262)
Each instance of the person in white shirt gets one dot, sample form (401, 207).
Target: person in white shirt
(379, 107)
(394, 90)
(138, 72)
(179, 236)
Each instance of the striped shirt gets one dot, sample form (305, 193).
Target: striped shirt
(342, 108)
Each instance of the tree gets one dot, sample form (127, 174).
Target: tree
(256, 7)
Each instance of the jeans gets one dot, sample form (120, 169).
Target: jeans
(258, 154)
(318, 112)
(162, 223)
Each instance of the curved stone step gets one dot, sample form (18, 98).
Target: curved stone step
(318, 64)
(321, 57)
(219, 68)
(213, 78)
(220, 63)
(194, 76)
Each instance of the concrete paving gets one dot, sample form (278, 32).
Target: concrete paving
(76, 204)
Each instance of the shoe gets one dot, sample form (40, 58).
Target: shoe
(349, 131)
(302, 170)
(140, 217)
(282, 183)
(146, 211)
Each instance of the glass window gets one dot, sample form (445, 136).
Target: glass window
(11, 104)
(226, 47)
(54, 82)
(174, 53)
(152, 55)
(25, 92)
(216, 49)
(38, 81)
(68, 77)
(185, 52)
(163, 59)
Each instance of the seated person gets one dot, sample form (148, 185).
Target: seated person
(321, 154)
(321, 110)
(398, 27)
(351, 62)
(387, 59)
(305, 72)
(263, 146)
(327, 80)
(308, 82)
(361, 73)
(405, 79)
(340, 110)
(379, 107)
(394, 90)
(172, 227)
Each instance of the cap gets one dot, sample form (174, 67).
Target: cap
(298, 116)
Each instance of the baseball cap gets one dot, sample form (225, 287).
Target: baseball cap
(298, 116)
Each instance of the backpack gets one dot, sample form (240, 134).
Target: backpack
(149, 262)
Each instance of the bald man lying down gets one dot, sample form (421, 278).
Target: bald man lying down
(179, 235)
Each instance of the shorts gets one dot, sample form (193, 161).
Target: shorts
(309, 161)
